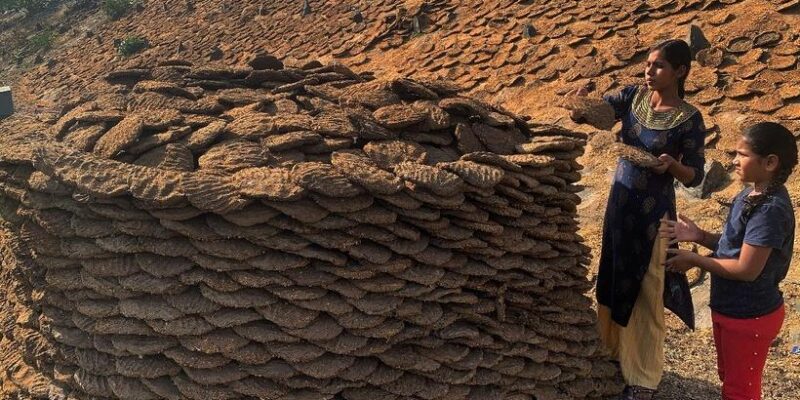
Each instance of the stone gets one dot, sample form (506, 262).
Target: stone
(528, 31)
(215, 54)
(6, 102)
(715, 179)
(697, 40)
(357, 16)
(263, 61)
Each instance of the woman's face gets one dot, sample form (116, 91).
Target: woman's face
(659, 74)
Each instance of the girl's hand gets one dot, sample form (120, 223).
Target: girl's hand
(684, 230)
(666, 162)
(681, 260)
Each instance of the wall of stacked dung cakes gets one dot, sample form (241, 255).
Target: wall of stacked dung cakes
(277, 232)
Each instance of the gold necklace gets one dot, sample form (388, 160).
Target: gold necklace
(659, 120)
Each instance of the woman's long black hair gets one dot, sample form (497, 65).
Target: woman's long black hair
(765, 138)
(677, 53)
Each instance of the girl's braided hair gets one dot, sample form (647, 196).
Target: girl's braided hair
(765, 138)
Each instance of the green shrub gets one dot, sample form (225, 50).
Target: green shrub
(116, 9)
(8, 5)
(132, 45)
(31, 5)
(41, 40)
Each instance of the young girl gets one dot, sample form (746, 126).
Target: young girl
(750, 258)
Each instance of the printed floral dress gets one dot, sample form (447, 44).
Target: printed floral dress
(640, 197)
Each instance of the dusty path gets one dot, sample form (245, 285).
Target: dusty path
(692, 375)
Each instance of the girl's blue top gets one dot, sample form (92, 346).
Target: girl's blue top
(771, 224)
(640, 197)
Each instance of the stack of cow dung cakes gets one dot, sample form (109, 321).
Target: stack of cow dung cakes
(217, 232)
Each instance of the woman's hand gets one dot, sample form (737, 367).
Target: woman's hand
(681, 260)
(582, 91)
(684, 230)
(666, 162)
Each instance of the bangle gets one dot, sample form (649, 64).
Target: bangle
(702, 236)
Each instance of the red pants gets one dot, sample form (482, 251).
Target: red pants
(742, 347)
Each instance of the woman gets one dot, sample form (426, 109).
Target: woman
(632, 287)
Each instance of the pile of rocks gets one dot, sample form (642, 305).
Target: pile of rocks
(211, 232)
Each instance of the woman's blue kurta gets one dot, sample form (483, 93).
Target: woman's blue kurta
(639, 199)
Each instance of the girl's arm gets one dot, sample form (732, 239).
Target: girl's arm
(766, 229)
(709, 240)
(686, 230)
(747, 267)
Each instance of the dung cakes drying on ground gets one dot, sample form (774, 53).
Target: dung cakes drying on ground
(294, 233)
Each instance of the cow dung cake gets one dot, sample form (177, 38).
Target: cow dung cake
(275, 232)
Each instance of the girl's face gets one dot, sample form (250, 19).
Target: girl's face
(659, 74)
(752, 167)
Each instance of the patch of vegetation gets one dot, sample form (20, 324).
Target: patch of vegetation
(30, 5)
(132, 45)
(34, 44)
(116, 9)
(41, 40)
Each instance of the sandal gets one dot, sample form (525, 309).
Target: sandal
(637, 393)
